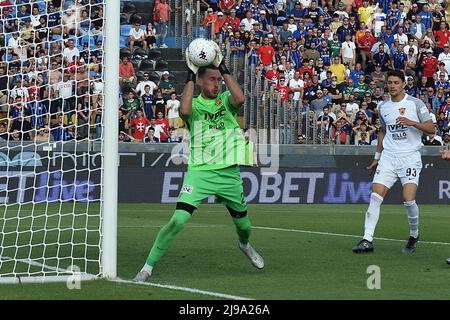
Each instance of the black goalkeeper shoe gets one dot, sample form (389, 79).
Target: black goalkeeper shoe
(411, 245)
(363, 246)
(448, 260)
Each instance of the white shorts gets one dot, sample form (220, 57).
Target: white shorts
(393, 167)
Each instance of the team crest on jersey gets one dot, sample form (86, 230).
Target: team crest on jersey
(402, 111)
(187, 189)
(218, 102)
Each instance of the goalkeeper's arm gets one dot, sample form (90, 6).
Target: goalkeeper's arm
(188, 91)
(237, 96)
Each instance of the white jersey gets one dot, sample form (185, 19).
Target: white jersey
(402, 139)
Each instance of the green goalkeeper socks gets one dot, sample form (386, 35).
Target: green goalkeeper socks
(166, 235)
(243, 228)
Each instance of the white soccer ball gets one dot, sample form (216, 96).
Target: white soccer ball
(201, 52)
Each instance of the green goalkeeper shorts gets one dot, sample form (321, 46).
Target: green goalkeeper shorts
(225, 184)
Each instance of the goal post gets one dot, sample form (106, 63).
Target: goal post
(112, 55)
(59, 140)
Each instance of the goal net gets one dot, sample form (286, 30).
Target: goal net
(52, 139)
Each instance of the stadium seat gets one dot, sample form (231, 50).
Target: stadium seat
(125, 52)
(84, 39)
(146, 65)
(68, 4)
(124, 18)
(136, 64)
(146, 17)
(125, 29)
(128, 8)
(42, 7)
(123, 43)
(127, 87)
(92, 43)
(154, 76)
(161, 65)
(135, 18)
(154, 54)
(140, 54)
(140, 75)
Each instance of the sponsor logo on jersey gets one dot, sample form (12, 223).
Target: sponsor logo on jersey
(402, 111)
(218, 102)
(187, 189)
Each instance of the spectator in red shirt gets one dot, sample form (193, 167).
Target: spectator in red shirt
(266, 54)
(283, 89)
(233, 21)
(126, 72)
(365, 44)
(305, 68)
(139, 123)
(162, 11)
(442, 36)
(164, 123)
(430, 64)
(209, 20)
(219, 23)
(273, 74)
(225, 5)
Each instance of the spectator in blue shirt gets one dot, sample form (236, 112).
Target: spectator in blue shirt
(399, 58)
(427, 16)
(345, 29)
(356, 72)
(430, 98)
(393, 17)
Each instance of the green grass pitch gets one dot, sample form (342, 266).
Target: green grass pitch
(307, 250)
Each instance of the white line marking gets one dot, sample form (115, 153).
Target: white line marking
(283, 230)
(185, 289)
(342, 235)
(34, 263)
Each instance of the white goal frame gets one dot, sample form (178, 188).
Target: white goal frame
(109, 149)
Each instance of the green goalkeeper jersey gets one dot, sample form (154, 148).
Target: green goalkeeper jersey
(216, 140)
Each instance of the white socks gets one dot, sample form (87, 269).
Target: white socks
(412, 210)
(147, 268)
(372, 215)
(243, 245)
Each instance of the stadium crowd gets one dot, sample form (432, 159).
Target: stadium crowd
(51, 80)
(330, 57)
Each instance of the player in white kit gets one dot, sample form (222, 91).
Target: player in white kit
(397, 156)
(446, 155)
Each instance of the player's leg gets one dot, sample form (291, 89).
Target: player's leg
(191, 195)
(410, 183)
(379, 191)
(243, 226)
(384, 179)
(164, 239)
(231, 194)
(165, 236)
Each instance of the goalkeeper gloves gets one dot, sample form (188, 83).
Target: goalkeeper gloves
(192, 69)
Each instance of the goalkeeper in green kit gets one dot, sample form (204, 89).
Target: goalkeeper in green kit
(217, 147)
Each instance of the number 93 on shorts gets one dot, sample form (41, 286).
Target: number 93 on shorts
(390, 170)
